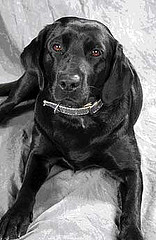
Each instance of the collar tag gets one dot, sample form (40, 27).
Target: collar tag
(56, 109)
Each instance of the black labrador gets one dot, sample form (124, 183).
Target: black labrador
(88, 98)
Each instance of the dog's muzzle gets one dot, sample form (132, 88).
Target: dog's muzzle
(87, 109)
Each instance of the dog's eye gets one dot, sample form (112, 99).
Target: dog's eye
(95, 52)
(57, 47)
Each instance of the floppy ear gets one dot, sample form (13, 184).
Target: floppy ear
(31, 55)
(120, 78)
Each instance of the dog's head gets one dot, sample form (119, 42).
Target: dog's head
(79, 61)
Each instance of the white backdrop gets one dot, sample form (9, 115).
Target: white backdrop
(133, 23)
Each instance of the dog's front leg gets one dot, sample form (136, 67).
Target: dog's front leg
(131, 193)
(15, 222)
(123, 159)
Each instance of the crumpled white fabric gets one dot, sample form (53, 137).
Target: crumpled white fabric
(88, 211)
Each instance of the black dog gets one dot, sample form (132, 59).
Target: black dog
(88, 98)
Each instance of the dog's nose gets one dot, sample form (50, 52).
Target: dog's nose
(71, 83)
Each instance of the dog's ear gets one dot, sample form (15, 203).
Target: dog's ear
(120, 77)
(31, 55)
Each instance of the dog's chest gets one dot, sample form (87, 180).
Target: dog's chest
(69, 139)
(75, 145)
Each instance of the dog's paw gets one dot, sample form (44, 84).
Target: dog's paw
(131, 233)
(14, 224)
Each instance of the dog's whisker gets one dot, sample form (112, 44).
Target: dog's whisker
(93, 87)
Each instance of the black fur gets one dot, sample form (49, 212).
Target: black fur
(74, 77)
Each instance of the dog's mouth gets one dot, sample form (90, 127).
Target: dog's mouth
(72, 103)
(68, 102)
